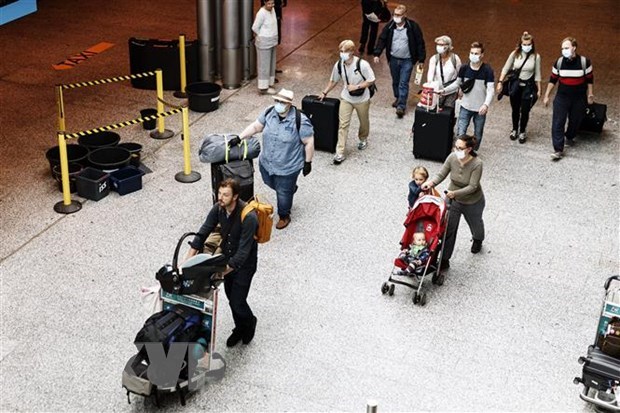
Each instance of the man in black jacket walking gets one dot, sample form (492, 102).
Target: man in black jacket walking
(403, 42)
(240, 247)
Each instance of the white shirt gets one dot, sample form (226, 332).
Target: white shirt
(265, 27)
(354, 77)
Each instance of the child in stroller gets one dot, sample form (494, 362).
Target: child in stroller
(417, 255)
(422, 244)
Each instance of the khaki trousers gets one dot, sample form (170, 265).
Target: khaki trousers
(344, 114)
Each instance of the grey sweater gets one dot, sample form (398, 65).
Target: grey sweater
(464, 179)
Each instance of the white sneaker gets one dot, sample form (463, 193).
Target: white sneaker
(338, 159)
(362, 145)
(513, 135)
(522, 137)
(556, 156)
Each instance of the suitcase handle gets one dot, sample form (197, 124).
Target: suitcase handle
(610, 279)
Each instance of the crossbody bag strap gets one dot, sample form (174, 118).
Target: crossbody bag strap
(440, 63)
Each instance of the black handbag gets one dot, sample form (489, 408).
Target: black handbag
(383, 13)
(510, 85)
(358, 92)
(594, 119)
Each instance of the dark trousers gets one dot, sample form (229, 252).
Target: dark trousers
(521, 107)
(571, 107)
(237, 286)
(369, 35)
(473, 216)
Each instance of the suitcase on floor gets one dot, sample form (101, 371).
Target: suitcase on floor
(325, 120)
(241, 170)
(593, 121)
(433, 133)
(600, 371)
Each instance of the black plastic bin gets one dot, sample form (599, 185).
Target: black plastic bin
(146, 55)
(126, 180)
(99, 140)
(203, 96)
(75, 153)
(92, 184)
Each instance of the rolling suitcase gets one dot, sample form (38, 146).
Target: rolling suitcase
(593, 121)
(241, 170)
(325, 120)
(433, 133)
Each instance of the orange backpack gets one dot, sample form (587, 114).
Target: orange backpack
(264, 212)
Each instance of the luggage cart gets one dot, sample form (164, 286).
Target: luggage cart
(205, 302)
(601, 372)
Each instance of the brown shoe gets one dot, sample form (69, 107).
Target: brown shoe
(283, 222)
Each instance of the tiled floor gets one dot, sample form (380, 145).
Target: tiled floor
(503, 333)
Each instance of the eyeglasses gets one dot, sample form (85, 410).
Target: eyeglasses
(398, 15)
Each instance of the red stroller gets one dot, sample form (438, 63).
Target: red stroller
(429, 212)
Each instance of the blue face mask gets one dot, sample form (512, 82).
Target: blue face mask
(280, 107)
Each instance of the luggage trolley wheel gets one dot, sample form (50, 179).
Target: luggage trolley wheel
(385, 287)
(391, 290)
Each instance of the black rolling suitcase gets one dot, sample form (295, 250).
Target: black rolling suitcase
(593, 121)
(325, 120)
(241, 170)
(433, 133)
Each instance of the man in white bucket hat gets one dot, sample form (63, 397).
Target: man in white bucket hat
(287, 150)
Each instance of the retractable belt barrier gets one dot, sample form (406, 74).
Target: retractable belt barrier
(67, 205)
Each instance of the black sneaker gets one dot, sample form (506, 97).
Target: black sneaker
(234, 339)
(247, 337)
(400, 112)
(476, 246)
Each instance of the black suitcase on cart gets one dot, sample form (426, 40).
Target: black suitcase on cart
(593, 121)
(241, 170)
(433, 133)
(325, 120)
(600, 374)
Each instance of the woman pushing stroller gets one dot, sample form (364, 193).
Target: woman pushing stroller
(465, 170)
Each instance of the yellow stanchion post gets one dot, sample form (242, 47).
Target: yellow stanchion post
(187, 175)
(61, 109)
(181, 93)
(67, 205)
(161, 132)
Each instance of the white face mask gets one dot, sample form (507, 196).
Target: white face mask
(460, 154)
(567, 53)
(526, 48)
(280, 107)
(398, 20)
(474, 58)
(441, 49)
(344, 56)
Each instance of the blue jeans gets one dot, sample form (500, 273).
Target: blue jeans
(463, 123)
(285, 187)
(401, 74)
(565, 107)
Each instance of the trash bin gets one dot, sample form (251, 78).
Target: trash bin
(149, 124)
(203, 96)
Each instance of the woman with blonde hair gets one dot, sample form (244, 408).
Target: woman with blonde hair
(355, 96)
(526, 89)
(443, 68)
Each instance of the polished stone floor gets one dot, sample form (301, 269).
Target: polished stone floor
(503, 333)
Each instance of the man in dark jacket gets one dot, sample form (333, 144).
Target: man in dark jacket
(403, 42)
(240, 247)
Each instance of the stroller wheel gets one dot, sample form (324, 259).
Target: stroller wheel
(385, 288)
(434, 278)
(440, 279)
(416, 298)
(423, 300)
(391, 290)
